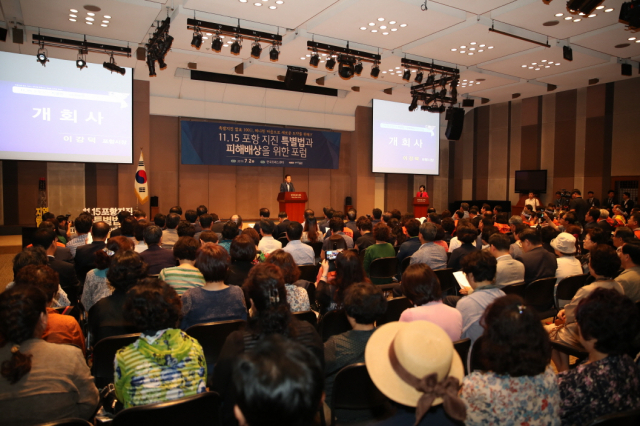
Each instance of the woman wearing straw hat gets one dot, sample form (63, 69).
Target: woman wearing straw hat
(516, 385)
(415, 365)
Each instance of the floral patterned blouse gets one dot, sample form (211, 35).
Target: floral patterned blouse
(599, 388)
(163, 367)
(298, 298)
(494, 399)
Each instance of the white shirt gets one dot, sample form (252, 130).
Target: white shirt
(567, 266)
(302, 254)
(454, 244)
(532, 202)
(268, 244)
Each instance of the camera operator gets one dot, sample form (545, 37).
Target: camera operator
(578, 205)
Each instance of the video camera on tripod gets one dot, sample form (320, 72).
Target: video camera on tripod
(565, 199)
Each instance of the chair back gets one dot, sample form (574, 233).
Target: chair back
(462, 347)
(353, 389)
(317, 247)
(283, 240)
(104, 352)
(475, 360)
(383, 267)
(447, 281)
(333, 323)
(517, 289)
(625, 418)
(67, 422)
(405, 264)
(568, 287)
(539, 295)
(308, 316)
(201, 409)
(212, 336)
(309, 272)
(395, 308)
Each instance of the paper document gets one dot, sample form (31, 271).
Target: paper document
(462, 281)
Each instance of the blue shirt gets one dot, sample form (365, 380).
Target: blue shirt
(201, 306)
(432, 254)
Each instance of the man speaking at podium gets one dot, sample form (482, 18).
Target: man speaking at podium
(287, 186)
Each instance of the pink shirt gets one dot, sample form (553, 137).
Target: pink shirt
(442, 243)
(448, 318)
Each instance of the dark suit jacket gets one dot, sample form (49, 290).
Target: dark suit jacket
(68, 277)
(594, 202)
(283, 187)
(64, 254)
(627, 206)
(282, 227)
(158, 258)
(609, 203)
(86, 258)
(217, 227)
(538, 263)
(608, 229)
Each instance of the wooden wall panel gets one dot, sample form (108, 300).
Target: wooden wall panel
(363, 180)
(10, 192)
(341, 177)
(163, 161)
(319, 191)
(398, 188)
(193, 187)
(222, 196)
(106, 191)
(29, 174)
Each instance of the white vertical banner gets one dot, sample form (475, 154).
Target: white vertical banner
(142, 190)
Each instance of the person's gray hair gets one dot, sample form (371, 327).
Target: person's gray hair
(428, 230)
(515, 220)
(604, 214)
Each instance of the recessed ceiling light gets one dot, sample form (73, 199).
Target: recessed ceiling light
(257, 4)
(383, 27)
(105, 25)
(559, 14)
(530, 68)
(581, 14)
(593, 15)
(89, 23)
(374, 31)
(547, 66)
(472, 48)
(600, 7)
(577, 20)
(463, 47)
(490, 47)
(308, 55)
(464, 80)
(384, 72)
(534, 63)
(107, 17)
(480, 51)
(72, 20)
(272, 7)
(397, 68)
(470, 53)
(609, 10)
(243, 1)
(363, 28)
(637, 41)
(106, 22)
(394, 29)
(557, 63)
(392, 22)
(544, 60)
(462, 51)
(482, 45)
(279, 2)
(473, 43)
(568, 18)
(631, 38)
(89, 19)
(477, 83)
(91, 14)
(304, 58)
(403, 25)
(537, 69)
(385, 33)
(524, 66)
(380, 19)
(471, 81)
(454, 49)
(73, 10)
(371, 24)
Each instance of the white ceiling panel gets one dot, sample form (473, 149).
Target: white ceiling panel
(477, 7)
(607, 39)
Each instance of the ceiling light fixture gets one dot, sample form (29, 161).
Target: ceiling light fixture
(274, 53)
(196, 40)
(346, 67)
(256, 49)
(351, 61)
(358, 68)
(375, 70)
(158, 46)
(407, 75)
(331, 63)
(216, 43)
(419, 76)
(583, 7)
(113, 67)
(236, 46)
(81, 62)
(42, 55)
(315, 59)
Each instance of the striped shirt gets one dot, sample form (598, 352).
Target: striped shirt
(181, 278)
(76, 242)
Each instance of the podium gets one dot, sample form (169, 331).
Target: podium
(294, 204)
(420, 206)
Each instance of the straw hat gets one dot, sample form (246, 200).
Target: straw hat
(564, 243)
(421, 348)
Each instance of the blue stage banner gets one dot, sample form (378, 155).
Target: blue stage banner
(228, 144)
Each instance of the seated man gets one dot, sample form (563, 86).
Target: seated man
(538, 262)
(278, 379)
(155, 256)
(264, 214)
(170, 235)
(409, 247)
(508, 270)
(366, 237)
(629, 278)
(429, 252)
(302, 254)
(268, 243)
(336, 225)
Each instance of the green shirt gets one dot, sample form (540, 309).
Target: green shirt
(374, 252)
(181, 278)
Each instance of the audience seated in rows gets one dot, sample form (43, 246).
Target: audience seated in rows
(467, 235)
(311, 232)
(267, 242)
(229, 232)
(603, 266)
(185, 276)
(85, 257)
(40, 381)
(629, 278)
(365, 229)
(297, 297)
(378, 250)
(155, 256)
(37, 256)
(508, 270)
(302, 254)
(336, 227)
(564, 246)
(348, 271)
(214, 301)
(422, 287)
(538, 262)
(46, 238)
(164, 363)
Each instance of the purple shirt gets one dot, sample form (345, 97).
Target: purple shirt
(448, 318)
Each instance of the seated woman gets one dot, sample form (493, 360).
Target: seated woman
(379, 250)
(604, 265)
(363, 303)
(164, 363)
(609, 381)
(348, 269)
(253, 234)
(62, 329)
(440, 237)
(516, 384)
(106, 317)
(39, 381)
(215, 301)
(310, 232)
(185, 276)
(467, 235)
(243, 255)
(297, 297)
(138, 232)
(564, 246)
(96, 285)
(270, 314)
(421, 285)
(229, 232)
(594, 236)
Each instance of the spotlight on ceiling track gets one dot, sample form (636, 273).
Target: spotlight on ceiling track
(331, 62)
(113, 67)
(583, 6)
(414, 104)
(236, 46)
(346, 67)
(274, 53)
(42, 56)
(314, 60)
(407, 75)
(375, 70)
(419, 76)
(567, 53)
(216, 43)
(358, 68)
(196, 41)
(81, 62)
(256, 49)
